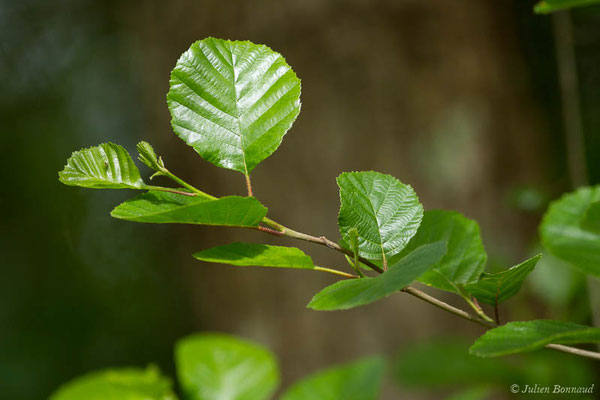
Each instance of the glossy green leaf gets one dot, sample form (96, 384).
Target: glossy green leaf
(215, 366)
(465, 260)
(564, 235)
(591, 219)
(360, 380)
(117, 384)
(148, 156)
(256, 255)
(162, 208)
(351, 293)
(497, 288)
(107, 166)
(385, 212)
(548, 6)
(518, 337)
(233, 101)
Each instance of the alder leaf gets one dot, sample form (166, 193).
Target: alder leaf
(466, 257)
(163, 208)
(233, 101)
(256, 255)
(385, 212)
(117, 384)
(565, 230)
(496, 288)
(351, 293)
(217, 366)
(106, 166)
(519, 337)
(360, 380)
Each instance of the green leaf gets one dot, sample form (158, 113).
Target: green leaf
(351, 293)
(518, 337)
(256, 255)
(107, 166)
(117, 384)
(591, 219)
(162, 208)
(548, 6)
(215, 366)
(149, 157)
(385, 212)
(496, 288)
(563, 234)
(233, 101)
(465, 260)
(360, 380)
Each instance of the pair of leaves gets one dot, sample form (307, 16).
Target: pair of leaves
(570, 231)
(214, 366)
(518, 337)
(109, 166)
(341, 295)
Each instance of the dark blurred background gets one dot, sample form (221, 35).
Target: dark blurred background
(460, 99)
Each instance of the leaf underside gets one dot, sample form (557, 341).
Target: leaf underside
(351, 293)
(217, 366)
(496, 288)
(565, 230)
(360, 380)
(162, 208)
(385, 213)
(106, 166)
(256, 255)
(465, 259)
(233, 101)
(518, 337)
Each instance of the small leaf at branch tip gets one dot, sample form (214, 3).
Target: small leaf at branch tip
(148, 156)
(106, 166)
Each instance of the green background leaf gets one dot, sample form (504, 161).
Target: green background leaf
(233, 101)
(106, 166)
(385, 212)
(162, 207)
(215, 366)
(351, 293)
(563, 234)
(360, 380)
(518, 337)
(466, 257)
(117, 384)
(591, 219)
(256, 255)
(548, 6)
(499, 287)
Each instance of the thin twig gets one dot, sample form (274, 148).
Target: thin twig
(447, 307)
